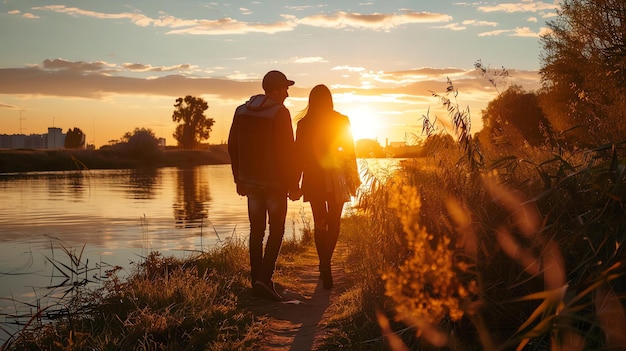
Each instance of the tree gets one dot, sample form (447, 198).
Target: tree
(193, 126)
(515, 114)
(141, 144)
(74, 139)
(584, 69)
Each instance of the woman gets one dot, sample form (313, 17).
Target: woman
(325, 152)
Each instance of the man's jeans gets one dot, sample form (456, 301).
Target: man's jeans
(261, 205)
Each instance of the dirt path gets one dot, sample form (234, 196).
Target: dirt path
(299, 322)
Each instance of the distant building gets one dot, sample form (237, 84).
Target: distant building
(161, 142)
(54, 139)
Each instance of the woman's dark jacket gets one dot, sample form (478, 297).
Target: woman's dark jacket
(326, 158)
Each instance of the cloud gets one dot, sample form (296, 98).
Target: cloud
(375, 21)
(78, 66)
(179, 26)
(477, 23)
(231, 26)
(67, 83)
(524, 32)
(302, 7)
(517, 32)
(29, 16)
(548, 14)
(524, 6)
(25, 15)
(348, 68)
(136, 18)
(140, 67)
(376, 80)
(227, 25)
(452, 26)
(313, 59)
(98, 79)
(2, 105)
(102, 67)
(544, 31)
(495, 32)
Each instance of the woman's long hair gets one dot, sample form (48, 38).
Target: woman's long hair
(320, 102)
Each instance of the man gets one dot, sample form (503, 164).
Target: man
(261, 149)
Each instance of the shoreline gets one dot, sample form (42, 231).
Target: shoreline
(29, 160)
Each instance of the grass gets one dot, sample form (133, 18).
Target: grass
(167, 303)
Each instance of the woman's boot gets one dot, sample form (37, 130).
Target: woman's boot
(327, 277)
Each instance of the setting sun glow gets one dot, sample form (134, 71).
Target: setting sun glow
(365, 124)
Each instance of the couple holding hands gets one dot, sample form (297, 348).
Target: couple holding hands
(268, 165)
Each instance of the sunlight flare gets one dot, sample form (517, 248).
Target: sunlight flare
(365, 123)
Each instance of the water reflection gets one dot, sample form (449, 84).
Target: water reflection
(192, 198)
(142, 183)
(65, 185)
(76, 185)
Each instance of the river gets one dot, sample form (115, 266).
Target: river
(112, 218)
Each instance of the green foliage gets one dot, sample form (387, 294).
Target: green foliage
(193, 125)
(74, 139)
(584, 71)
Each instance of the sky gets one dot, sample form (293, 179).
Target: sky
(108, 67)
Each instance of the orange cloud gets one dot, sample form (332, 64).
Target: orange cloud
(524, 6)
(376, 21)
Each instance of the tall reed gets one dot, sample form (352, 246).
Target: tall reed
(518, 252)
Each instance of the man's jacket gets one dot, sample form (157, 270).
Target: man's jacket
(261, 147)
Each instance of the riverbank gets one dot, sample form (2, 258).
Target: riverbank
(21, 160)
(204, 302)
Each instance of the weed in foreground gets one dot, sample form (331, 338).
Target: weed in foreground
(167, 303)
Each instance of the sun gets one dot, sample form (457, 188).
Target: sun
(365, 124)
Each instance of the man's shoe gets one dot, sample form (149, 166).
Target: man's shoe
(266, 290)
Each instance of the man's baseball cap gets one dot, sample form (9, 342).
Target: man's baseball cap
(274, 80)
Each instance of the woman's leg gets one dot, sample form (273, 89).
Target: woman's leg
(333, 220)
(320, 227)
(326, 218)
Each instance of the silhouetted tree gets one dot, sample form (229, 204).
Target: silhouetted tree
(516, 109)
(141, 144)
(74, 139)
(584, 69)
(193, 126)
